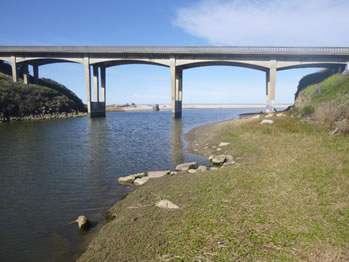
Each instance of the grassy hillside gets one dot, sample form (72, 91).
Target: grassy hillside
(48, 97)
(327, 102)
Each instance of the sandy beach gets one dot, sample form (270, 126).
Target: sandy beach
(130, 108)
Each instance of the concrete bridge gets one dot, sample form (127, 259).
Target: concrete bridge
(176, 58)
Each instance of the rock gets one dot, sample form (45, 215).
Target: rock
(141, 181)
(156, 108)
(221, 144)
(187, 166)
(210, 157)
(213, 168)
(202, 168)
(280, 114)
(130, 179)
(83, 223)
(229, 158)
(172, 173)
(269, 115)
(335, 131)
(192, 171)
(157, 174)
(166, 204)
(265, 121)
(256, 117)
(218, 160)
(219, 149)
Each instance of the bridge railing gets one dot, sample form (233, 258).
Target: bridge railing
(180, 49)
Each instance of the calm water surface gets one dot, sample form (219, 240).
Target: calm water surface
(55, 170)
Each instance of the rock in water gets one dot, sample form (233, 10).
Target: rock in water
(157, 174)
(187, 166)
(166, 204)
(141, 181)
(130, 179)
(83, 223)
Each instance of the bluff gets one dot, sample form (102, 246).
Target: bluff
(48, 97)
(324, 98)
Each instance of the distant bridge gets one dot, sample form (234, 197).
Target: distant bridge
(177, 58)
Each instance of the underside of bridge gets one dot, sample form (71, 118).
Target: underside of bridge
(97, 59)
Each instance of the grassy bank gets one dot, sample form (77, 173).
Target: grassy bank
(287, 199)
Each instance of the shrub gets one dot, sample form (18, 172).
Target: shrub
(308, 110)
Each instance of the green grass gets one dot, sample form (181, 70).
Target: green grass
(287, 200)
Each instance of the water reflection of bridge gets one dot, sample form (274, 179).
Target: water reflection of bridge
(267, 59)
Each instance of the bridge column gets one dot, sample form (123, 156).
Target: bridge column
(103, 92)
(36, 73)
(270, 87)
(88, 83)
(25, 73)
(96, 82)
(176, 89)
(14, 68)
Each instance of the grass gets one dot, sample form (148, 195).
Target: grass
(288, 200)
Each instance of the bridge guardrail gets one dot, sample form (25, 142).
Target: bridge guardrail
(180, 49)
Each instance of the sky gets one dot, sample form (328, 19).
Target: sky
(179, 22)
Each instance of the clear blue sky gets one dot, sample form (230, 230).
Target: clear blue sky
(179, 22)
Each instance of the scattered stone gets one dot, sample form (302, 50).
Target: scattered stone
(223, 144)
(141, 181)
(130, 179)
(265, 121)
(206, 147)
(202, 168)
(214, 168)
(213, 147)
(280, 114)
(157, 174)
(172, 173)
(186, 166)
(219, 149)
(210, 157)
(83, 223)
(229, 163)
(166, 204)
(256, 117)
(229, 158)
(269, 115)
(218, 160)
(192, 171)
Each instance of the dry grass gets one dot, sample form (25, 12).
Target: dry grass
(287, 201)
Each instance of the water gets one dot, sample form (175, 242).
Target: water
(55, 170)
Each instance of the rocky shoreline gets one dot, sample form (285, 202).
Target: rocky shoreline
(63, 115)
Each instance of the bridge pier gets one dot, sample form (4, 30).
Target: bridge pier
(25, 73)
(176, 88)
(36, 73)
(270, 87)
(94, 108)
(14, 68)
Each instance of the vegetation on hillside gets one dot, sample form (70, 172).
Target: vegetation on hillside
(327, 103)
(48, 97)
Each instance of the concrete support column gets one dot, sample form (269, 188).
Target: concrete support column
(88, 83)
(14, 68)
(36, 73)
(25, 74)
(96, 83)
(270, 86)
(176, 89)
(103, 84)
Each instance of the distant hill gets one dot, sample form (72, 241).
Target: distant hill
(47, 97)
(326, 101)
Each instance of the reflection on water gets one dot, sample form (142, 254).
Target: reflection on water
(53, 171)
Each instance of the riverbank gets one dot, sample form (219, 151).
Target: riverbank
(63, 115)
(285, 199)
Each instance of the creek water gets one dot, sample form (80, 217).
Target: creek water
(52, 171)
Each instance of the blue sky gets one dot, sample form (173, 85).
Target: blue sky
(179, 22)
